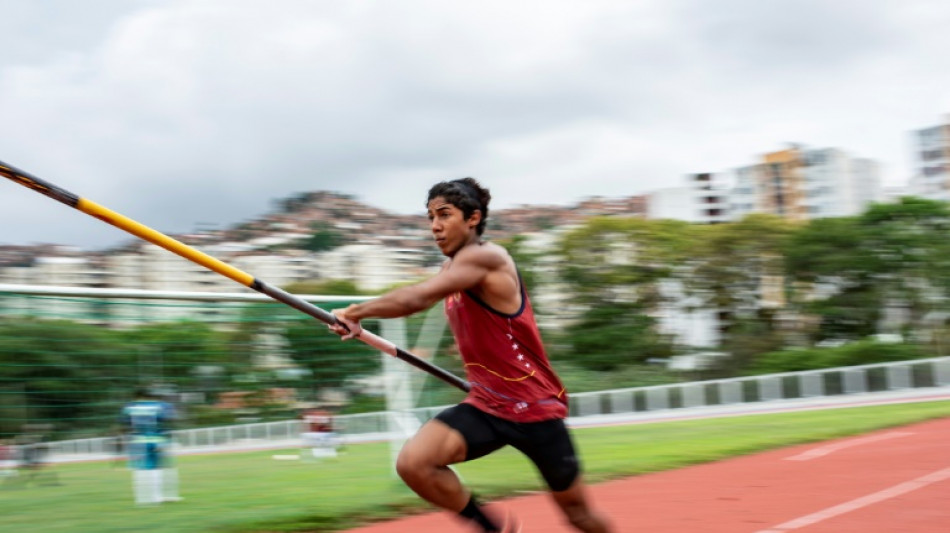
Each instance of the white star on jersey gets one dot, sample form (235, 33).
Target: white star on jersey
(514, 346)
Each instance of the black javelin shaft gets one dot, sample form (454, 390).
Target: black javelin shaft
(160, 239)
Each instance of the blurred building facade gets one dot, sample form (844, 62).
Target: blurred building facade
(931, 178)
(796, 183)
(703, 200)
(802, 184)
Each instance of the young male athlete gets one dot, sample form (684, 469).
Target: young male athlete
(516, 398)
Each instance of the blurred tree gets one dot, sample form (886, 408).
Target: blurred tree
(614, 259)
(330, 361)
(737, 269)
(908, 242)
(835, 271)
(526, 260)
(320, 351)
(171, 351)
(60, 372)
(892, 256)
(611, 336)
(326, 287)
(856, 353)
(614, 268)
(323, 238)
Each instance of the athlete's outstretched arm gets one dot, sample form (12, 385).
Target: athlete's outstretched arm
(466, 270)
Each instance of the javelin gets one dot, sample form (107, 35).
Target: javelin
(155, 237)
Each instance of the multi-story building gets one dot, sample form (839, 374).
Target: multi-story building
(147, 267)
(802, 184)
(678, 203)
(746, 191)
(711, 197)
(703, 201)
(836, 185)
(932, 150)
(781, 184)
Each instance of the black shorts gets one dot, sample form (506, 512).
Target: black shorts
(548, 443)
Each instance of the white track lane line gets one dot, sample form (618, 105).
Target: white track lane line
(864, 501)
(822, 451)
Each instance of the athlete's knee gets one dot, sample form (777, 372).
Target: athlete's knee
(561, 476)
(414, 464)
(407, 464)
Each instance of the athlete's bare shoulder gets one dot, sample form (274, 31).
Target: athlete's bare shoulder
(485, 254)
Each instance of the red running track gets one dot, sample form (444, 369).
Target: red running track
(890, 481)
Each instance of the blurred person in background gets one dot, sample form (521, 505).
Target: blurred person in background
(29, 456)
(8, 459)
(516, 398)
(319, 435)
(148, 421)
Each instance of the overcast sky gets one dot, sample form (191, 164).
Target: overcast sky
(200, 113)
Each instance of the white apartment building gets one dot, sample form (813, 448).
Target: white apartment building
(712, 198)
(151, 268)
(932, 154)
(16, 275)
(703, 201)
(70, 271)
(745, 193)
(868, 187)
(372, 266)
(678, 203)
(837, 185)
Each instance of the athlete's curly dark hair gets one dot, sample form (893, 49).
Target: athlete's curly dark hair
(466, 194)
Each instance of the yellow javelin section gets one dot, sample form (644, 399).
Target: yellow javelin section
(140, 230)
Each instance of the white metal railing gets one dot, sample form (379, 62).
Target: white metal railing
(880, 377)
(931, 373)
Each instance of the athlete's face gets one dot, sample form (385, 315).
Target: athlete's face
(449, 227)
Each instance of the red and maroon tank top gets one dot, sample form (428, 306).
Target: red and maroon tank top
(505, 361)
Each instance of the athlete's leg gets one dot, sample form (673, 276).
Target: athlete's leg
(573, 502)
(423, 463)
(457, 434)
(549, 445)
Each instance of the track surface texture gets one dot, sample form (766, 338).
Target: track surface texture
(890, 481)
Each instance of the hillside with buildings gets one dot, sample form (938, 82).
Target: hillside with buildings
(319, 235)
(375, 248)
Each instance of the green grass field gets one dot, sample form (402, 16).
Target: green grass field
(253, 492)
